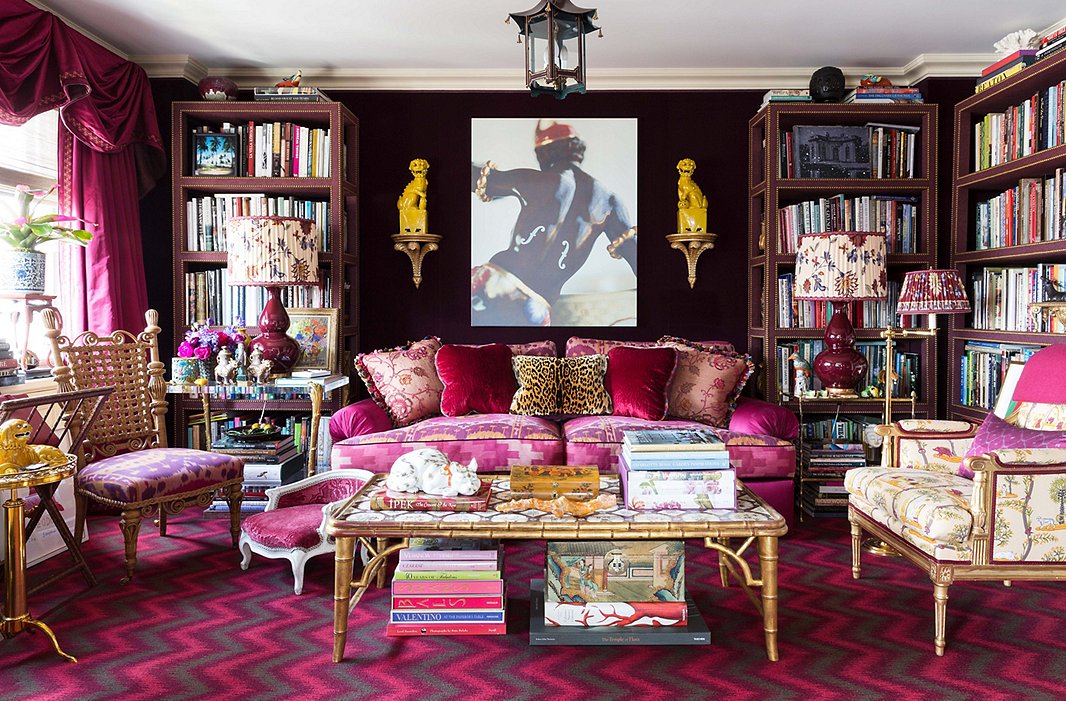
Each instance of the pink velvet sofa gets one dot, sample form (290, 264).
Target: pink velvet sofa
(759, 438)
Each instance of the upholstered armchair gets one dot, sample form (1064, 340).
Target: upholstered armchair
(969, 503)
(293, 526)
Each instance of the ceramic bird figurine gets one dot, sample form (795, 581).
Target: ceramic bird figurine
(292, 81)
(16, 453)
(802, 383)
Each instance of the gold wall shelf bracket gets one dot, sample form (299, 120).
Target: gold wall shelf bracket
(416, 246)
(692, 245)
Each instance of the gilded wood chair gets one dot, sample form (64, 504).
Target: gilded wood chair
(124, 460)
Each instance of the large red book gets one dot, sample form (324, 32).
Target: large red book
(385, 500)
(407, 629)
(1003, 62)
(447, 601)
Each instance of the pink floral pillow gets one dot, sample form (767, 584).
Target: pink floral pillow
(403, 381)
(997, 434)
(706, 382)
(575, 345)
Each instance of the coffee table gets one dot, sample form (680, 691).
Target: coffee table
(753, 521)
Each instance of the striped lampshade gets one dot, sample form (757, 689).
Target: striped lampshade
(841, 266)
(272, 251)
(932, 292)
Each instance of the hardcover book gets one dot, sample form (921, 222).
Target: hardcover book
(678, 460)
(384, 500)
(451, 549)
(645, 490)
(488, 587)
(615, 571)
(447, 601)
(618, 614)
(668, 440)
(464, 616)
(446, 565)
(410, 629)
(445, 575)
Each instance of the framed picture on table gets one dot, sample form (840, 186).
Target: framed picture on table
(318, 332)
(216, 154)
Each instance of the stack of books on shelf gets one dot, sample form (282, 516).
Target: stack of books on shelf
(1001, 297)
(268, 150)
(824, 465)
(842, 429)
(1030, 212)
(814, 314)
(676, 469)
(208, 295)
(876, 94)
(289, 94)
(1051, 43)
(1004, 68)
(894, 215)
(614, 592)
(206, 217)
(906, 365)
(983, 367)
(785, 95)
(849, 152)
(448, 587)
(9, 365)
(267, 464)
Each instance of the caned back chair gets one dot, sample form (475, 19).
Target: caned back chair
(124, 458)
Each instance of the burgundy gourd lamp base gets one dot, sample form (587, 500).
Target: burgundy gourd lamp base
(840, 367)
(273, 340)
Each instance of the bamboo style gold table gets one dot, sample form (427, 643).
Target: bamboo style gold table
(753, 521)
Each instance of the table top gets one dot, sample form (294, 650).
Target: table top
(291, 387)
(752, 517)
(38, 477)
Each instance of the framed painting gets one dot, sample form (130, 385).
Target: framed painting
(1005, 401)
(553, 238)
(837, 152)
(216, 154)
(318, 333)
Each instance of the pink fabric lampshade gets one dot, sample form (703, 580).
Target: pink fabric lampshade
(932, 292)
(1044, 378)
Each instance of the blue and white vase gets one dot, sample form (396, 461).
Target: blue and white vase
(21, 271)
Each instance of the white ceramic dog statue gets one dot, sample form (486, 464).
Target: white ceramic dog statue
(429, 470)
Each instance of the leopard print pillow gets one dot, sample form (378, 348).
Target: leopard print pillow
(550, 386)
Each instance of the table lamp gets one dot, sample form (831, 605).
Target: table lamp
(841, 267)
(273, 252)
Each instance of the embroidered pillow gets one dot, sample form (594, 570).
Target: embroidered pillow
(997, 434)
(542, 348)
(575, 345)
(706, 382)
(538, 386)
(638, 380)
(581, 386)
(476, 379)
(403, 380)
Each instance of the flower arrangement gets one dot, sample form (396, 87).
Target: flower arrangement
(202, 342)
(28, 229)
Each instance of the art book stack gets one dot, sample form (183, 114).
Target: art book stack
(593, 590)
(676, 469)
(823, 466)
(448, 587)
(267, 464)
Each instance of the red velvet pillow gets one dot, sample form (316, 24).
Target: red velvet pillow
(638, 380)
(477, 379)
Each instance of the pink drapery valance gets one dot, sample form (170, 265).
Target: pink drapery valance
(110, 153)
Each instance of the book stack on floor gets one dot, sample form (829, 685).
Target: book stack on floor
(614, 591)
(823, 466)
(9, 366)
(874, 94)
(1004, 68)
(267, 464)
(676, 469)
(448, 587)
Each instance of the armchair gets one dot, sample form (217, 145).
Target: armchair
(969, 503)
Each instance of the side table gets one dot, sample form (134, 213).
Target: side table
(26, 305)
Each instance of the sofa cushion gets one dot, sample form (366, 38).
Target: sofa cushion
(403, 380)
(538, 386)
(1040, 416)
(476, 379)
(638, 380)
(929, 509)
(155, 473)
(997, 434)
(545, 348)
(761, 417)
(707, 381)
(566, 386)
(294, 527)
(576, 345)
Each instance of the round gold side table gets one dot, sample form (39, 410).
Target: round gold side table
(16, 616)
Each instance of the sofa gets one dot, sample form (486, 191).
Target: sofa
(372, 433)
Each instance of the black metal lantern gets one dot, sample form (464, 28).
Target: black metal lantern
(554, 34)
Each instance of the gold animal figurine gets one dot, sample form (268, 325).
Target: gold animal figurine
(16, 453)
(691, 204)
(412, 203)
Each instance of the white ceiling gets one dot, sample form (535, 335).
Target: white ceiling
(457, 44)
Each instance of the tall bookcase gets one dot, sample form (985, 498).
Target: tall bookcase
(1036, 136)
(770, 256)
(337, 197)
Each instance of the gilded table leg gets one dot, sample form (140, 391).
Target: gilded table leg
(342, 587)
(856, 550)
(51, 636)
(940, 597)
(316, 391)
(723, 571)
(382, 544)
(768, 573)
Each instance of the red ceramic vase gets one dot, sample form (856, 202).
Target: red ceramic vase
(840, 367)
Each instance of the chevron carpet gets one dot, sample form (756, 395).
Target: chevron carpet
(193, 625)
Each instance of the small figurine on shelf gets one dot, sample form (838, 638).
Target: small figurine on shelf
(225, 367)
(412, 203)
(259, 367)
(691, 203)
(802, 369)
(240, 357)
(293, 81)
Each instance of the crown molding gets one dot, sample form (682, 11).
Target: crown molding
(636, 79)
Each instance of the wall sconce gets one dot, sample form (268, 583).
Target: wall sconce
(414, 239)
(554, 32)
(692, 237)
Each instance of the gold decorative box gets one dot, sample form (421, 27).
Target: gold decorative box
(553, 481)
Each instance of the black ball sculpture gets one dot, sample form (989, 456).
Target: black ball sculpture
(827, 84)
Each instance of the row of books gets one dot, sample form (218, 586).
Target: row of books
(1022, 130)
(878, 95)
(298, 427)
(895, 216)
(1004, 68)
(1001, 298)
(274, 149)
(875, 150)
(847, 429)
(448, 587)
(814, 314)
(906, 366)
(208, 295)
(206, 217)
(982, 368)
(824, 464)
(1030, 212)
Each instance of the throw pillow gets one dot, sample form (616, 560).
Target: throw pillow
(638, 380)
(544, 348)
(997, 434)
(575, 345)
(538, 386)
(706, 382)
(581, 386)
(476, 379)
(403, 380)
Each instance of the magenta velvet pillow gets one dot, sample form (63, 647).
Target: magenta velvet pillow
(638, 380)
(477, 379)
(997, 434)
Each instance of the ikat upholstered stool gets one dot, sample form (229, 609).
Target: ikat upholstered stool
(124, 461)
(293, 526)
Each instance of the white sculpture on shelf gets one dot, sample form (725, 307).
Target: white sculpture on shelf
(429, 470)
(1016, 41)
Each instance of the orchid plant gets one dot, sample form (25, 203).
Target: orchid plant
(29, 229)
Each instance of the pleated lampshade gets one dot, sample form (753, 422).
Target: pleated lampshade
(272, 251)
(843, 266)
(932, 292)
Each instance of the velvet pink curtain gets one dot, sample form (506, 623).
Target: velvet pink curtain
(110, 153)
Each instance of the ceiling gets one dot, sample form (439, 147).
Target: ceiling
(438, 44)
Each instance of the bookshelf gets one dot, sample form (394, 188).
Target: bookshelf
(779, 204)
(994, 181)
(326, 133)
